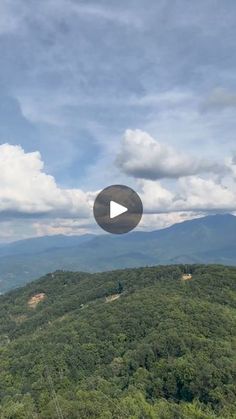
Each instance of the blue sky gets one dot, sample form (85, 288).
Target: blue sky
(90, 84)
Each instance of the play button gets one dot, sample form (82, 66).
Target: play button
(118, 209)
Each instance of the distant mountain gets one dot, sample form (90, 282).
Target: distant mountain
(210, 239)
(41, 244)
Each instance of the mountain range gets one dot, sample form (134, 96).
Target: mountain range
(210, 239)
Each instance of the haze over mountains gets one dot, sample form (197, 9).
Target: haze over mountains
(211, 239)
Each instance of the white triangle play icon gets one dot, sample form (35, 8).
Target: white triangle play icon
(116, 209)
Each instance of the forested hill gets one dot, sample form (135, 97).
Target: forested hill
(136, 343)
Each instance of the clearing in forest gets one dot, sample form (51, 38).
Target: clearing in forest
(33, 301)
(186, 277)
(111, 298)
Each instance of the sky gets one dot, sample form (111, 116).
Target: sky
(100, 93)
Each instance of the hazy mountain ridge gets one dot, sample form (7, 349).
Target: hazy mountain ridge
(210, 239)
(41, 244)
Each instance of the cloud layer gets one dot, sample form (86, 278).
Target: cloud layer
(144, 157)
(27, 192)
(191, 194)
(75, 75)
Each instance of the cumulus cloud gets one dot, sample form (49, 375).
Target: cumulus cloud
(26, 189)
(205, 194)
(144, 157)
(155, 197)
(193, 194)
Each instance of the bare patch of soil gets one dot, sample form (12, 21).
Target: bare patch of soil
(111, 298)
(36, 299)
(186, 277)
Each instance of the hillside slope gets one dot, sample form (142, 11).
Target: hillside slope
(205, 240)
(136, 343)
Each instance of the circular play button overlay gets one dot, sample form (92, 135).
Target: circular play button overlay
(118, 209)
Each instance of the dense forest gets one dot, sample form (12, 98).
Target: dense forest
(134, 343)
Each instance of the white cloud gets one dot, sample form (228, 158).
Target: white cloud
(44, 107)
(205, 194)
(152, 222)
(155, 197)
(144, 157)
(25, 188)
(63, 226)
(168, 98)
(27, 191)
(192, 194)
